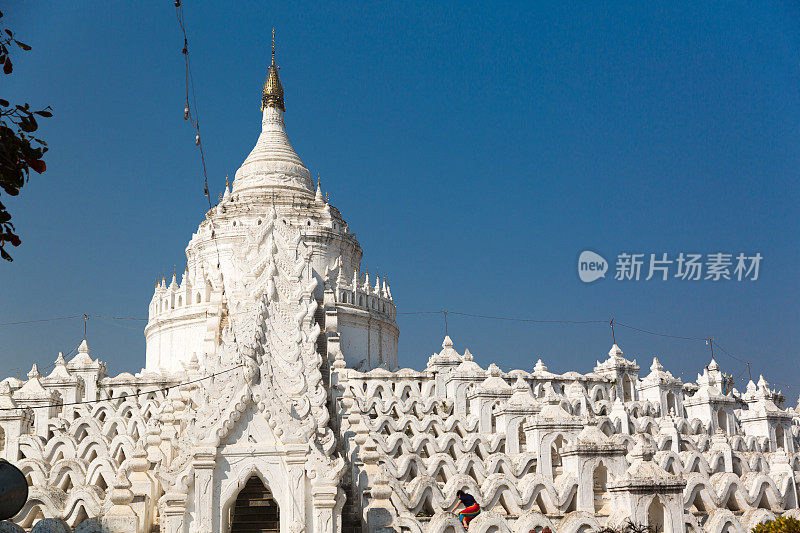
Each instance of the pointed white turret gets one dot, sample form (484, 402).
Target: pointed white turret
(273, 163)
(656, 366)
(340, 279)
(60, 368)
(318, 196)
(227, 194)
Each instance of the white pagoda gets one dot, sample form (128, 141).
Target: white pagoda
(271, 399)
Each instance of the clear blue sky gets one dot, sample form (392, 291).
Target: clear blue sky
(476, 151)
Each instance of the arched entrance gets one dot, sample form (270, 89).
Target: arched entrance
(722, 420)
(779, 438)
(255, 510)
(655, 516)
(600, 485)
(555, 455)
(672, 405)
(627, 389)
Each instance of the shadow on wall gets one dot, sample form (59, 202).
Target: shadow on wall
(56, 525)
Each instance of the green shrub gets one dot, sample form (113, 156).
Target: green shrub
(781, 524)
(628, 527)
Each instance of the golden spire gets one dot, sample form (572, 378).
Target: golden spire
(226, 181)
(273, 91)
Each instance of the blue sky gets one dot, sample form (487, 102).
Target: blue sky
(475, 150)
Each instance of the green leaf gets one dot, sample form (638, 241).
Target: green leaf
(22, 45)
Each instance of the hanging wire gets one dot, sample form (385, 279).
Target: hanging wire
(191, 99)
(659, 334)
(532, 321)
(729, 354)
(717, 345)
(194, 120)
(40, 320)
(69, 318)
(140, 393)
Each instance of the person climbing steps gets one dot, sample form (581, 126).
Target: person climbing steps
(471, 508)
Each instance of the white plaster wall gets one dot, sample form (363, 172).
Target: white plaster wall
(169, 344)
(365, 338)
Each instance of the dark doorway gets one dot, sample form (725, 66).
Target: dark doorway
(255, 510)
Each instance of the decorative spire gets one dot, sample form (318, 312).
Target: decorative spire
(318, 197)
(273, 90)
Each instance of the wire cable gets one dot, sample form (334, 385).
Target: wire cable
(194, 120)
(659, 334)
(512, 319)
(162, 389)
(40, 320)
(721, 348)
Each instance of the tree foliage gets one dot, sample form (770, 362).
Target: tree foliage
(20, 150)
(779, 525)
(628, 527)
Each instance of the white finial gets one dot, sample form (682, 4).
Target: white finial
(656, 366)
(227, 193)
(84, 347)
(447, 342)
(539, 366)
(340, 281)
(318, 196)
(34, 373)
